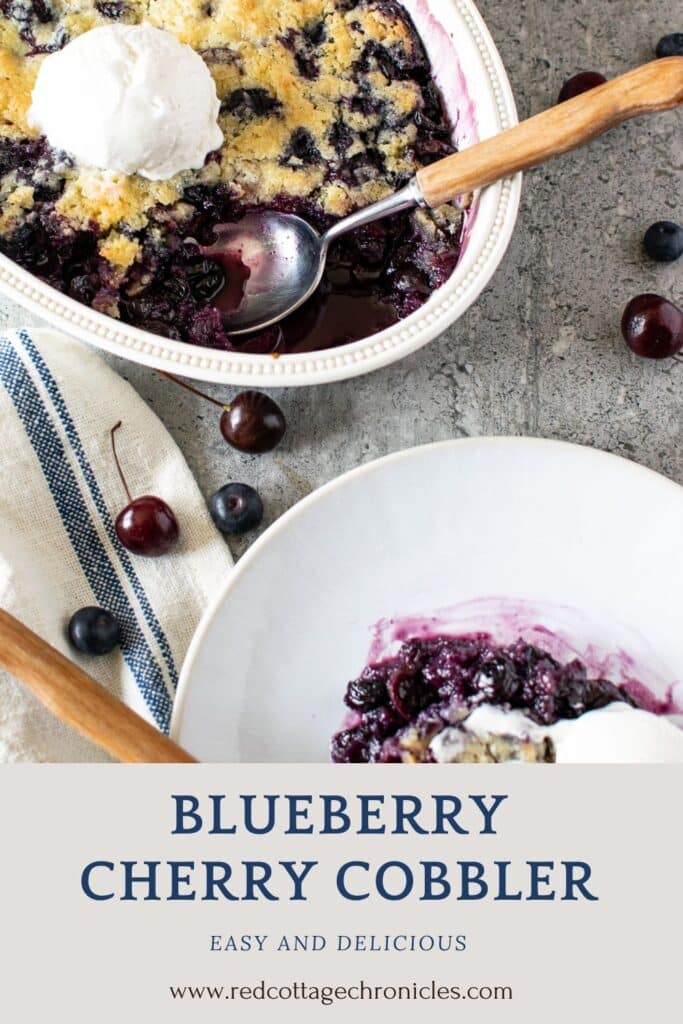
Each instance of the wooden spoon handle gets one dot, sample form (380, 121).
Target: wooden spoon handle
(655, 86)
(75, 698)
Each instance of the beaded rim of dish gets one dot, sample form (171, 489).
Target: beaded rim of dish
(359, 357)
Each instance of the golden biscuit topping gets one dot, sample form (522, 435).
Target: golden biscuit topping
(295, 62)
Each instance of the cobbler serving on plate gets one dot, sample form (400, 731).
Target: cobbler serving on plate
(325, 106)
(469, 700)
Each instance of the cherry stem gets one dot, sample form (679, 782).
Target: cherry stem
(116, 460)
(195, 391)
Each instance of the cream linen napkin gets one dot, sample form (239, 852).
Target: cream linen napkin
(59, 498)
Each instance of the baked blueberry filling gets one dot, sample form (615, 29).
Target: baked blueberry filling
(397, 707)
(113, 10)
(326, 115)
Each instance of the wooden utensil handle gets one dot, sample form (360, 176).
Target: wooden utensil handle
(75, 698)
(655, 86)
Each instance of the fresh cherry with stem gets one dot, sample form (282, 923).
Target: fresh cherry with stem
(252, 422)
(147, 525)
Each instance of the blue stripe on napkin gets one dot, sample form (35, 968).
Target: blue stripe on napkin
(59, 404)
(97, 567)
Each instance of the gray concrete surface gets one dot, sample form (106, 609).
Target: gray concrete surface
(541, 352)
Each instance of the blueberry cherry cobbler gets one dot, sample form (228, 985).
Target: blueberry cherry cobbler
(466, 700)
(197, 113)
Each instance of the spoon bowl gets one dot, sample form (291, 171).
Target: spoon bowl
(277, 260)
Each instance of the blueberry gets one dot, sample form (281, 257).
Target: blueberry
(409, 279)
(94, 631)
(112, 10)
(350, 747)
(577, 694)
(164, 330)
(664, 241)
(42, 12)
(381, 722)
(214, 201)
(30, 247)
(176, 288)
(302, 146)
(299, 43)
(206, 329)
(315, 33)
(340, 137)
(671, 45)
(409, 695)
(258, 102)
(84, 287)
(430, 149)
(366, 694)
(236, 508)
(362, 167)
(496, 680)
(306, 66)
(149, 306)
(206, 279)
(367, 105)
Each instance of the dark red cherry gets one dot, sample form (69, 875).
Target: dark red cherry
(583, 82)
(253, 423)
(653, 327)
(147, 525)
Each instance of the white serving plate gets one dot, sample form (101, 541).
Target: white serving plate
(478, 95)
(505, 533)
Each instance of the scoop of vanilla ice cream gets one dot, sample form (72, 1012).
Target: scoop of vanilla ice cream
(128, 98)
(616, 734)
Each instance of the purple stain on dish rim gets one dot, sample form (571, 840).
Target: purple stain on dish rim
(448, 72)
(454, 88)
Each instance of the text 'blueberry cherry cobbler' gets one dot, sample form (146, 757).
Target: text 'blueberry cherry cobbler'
(326, 106)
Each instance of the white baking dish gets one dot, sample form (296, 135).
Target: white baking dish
(479, 98)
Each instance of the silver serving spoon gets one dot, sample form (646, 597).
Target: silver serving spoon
(281, 258)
